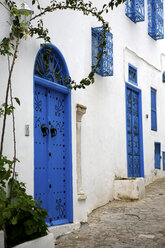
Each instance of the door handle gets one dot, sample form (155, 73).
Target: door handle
(44, 130)
(53, 131)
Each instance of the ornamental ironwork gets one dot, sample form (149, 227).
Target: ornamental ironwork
(106, 63)
(135, 10)
(155, 19)
(132, 74)
(50, 66)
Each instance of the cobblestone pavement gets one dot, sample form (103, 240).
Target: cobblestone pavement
(122, 224)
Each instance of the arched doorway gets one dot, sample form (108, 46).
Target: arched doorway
(52, 136)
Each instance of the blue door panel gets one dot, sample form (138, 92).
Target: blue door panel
(57, 159)
(50, 175)
(133, 133)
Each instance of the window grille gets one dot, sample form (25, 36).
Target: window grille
(135, 10)
(50, 65)
(132, 74)
(155, 19)
(106, 64)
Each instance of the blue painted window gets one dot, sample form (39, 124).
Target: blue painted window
(163, 77)
(163, 153)
(106, 65)
(155, 19)
(132, 74)
(157, 155)
(135, 10)
(153, 110)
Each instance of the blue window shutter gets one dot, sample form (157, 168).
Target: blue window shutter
(155, 19)
(157, 155)
(135, 10)
(106, 64)
(163, 160)
(153, 110)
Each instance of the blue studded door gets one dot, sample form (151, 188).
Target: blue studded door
(52, 150)
(134, 132)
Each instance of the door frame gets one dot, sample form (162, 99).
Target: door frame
(137, 90)
(63, 89)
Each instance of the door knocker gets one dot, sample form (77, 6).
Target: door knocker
(44, 130)
(53, 131)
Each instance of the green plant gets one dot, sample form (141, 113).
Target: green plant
(124, 178)
(22, 218)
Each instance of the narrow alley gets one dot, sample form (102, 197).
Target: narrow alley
(123, 224)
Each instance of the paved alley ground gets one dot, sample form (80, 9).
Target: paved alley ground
(121, 224)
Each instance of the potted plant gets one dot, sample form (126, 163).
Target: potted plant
(22, 218)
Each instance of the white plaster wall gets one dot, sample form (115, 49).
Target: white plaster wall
(104, 124)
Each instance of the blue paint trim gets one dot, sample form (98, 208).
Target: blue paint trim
(67, 92)
(129, 86)
(157, 166)
(136, 78)
(49, 84)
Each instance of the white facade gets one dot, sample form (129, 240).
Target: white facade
(103, 126)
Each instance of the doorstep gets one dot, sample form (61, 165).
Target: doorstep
(63, 229)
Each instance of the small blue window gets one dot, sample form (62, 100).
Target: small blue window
(135, 10)
(155, 19)
(157, 155)
(106, 65)
(163, 153)
(132, 74)
(163, 77)
(153, 110)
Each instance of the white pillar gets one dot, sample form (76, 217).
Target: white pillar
(81, 110)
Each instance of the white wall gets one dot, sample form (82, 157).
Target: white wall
(104, 124)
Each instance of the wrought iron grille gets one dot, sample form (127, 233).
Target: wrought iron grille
(50, 66)
(135, 10)
(132, 74)
(106, 64)
(155, 19)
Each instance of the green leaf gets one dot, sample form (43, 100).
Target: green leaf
(23, 25)
(14, 220)
(17, 100)
(6, 214)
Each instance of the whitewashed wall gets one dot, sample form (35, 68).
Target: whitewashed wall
(104, 124)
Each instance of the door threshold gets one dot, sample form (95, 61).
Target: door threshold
(63, 229)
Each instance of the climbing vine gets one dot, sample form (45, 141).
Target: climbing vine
(16, 203)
